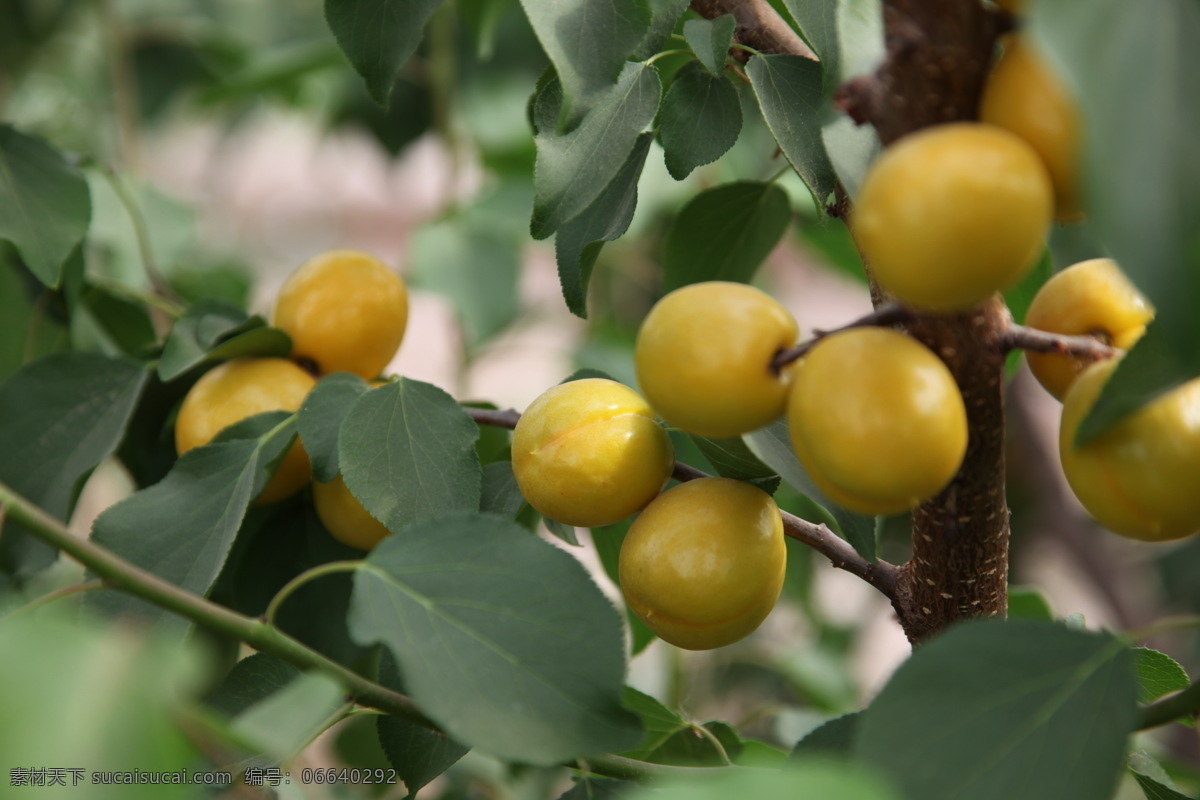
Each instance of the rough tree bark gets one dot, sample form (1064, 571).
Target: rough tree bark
(938, 53)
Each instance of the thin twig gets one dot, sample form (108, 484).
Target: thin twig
(1021, 337)
(885, 316)
(840, 553)
(758, 26)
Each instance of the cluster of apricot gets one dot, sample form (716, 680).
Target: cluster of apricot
(345, 312)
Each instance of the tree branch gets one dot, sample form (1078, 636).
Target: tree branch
(131, 579)
(1020, 337)
(840, 553)
(886, 315)
(758, 26)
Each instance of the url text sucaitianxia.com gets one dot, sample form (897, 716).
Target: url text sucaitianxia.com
(77, 776)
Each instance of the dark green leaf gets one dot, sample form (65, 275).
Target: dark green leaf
(732, 459)
(1155, 790)
(1028, 604)
(700, 119)
(418, 754)
(663, 16)
(579, 241)
(835, 737)
(1142, 171)
(574, 168)
(501, 495)
(59, 417)
(1158, 674)
(251, 680)
(182, 528)
(818, 22)
(561, 530)
(321, 416)
(725, 233)
(659, 723)
(407, 452)
(468, 595)
(694, 746)
(587, 42)
(790, 96)
(378, 36)
(824, 779)
(284, 722)
(45, 207)
(851, 149)
(124, 326)
(211, 332)
(710, 40)
(475, 268)
(996, 709)
(774, 448)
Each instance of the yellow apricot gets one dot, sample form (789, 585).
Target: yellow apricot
(239, 389)
(703, 565)
(703, 358)
(589, 452)
(345, 311)
(345, 517)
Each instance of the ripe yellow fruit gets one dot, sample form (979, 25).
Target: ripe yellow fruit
(1089, 298)
(703, 564)
(345, 517)
(589, 452)
(1138, 478)
(1023, 96)
(345, 311)
(951, 214)
(703, 358)
(238, 389)
(877, 420)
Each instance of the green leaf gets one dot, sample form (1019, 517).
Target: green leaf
(693, 746)
(1028, 604)
(286, 721)
(96, 698)
(45, 207)
(59, 417)
(124, 327)
(578, 242)
(1142, 171)
(773, 447)
(663, 16)
(204, 498)
(320, 417)
(710, 40)
(699, 120)
(1155, 790)
(996, 709)
(1158, 674)
(561, 530)
(724, 233)
(733, 459)
(851, 149)
(824, 779)
(477, 269)
(573, 169)
(211, 332)
(252, 680)
(818, 23)
(468, 595)
(407, 452)
(378, 36)
(608, 540)
(501, 495)
(587, 42)
(592, 788)
(790, 96)
(418, 754)
(835, 737)
(659, 723)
